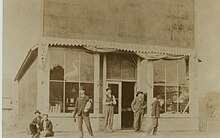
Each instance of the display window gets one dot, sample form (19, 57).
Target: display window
(121, 66)
(69, 70)
(171, 79)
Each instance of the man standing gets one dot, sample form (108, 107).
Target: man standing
(109, 102)
(35, 125)
(81, 114)
(155, 115)
(137, 107)
(47, 127)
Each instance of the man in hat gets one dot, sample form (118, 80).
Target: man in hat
(82, 114)
(35, 125)
(138, 106)
(47, 127)
(155, 115)
(109, 102)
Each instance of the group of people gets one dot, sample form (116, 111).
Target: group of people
(43, 127)
(138, 106)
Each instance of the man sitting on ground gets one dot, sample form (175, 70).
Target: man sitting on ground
(47, 127)
(35, 125)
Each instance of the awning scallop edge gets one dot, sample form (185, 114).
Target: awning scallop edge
(129, 47)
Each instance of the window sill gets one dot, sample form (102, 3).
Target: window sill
(70, 115)
(172, 115)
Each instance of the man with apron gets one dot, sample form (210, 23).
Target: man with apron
(109, 102)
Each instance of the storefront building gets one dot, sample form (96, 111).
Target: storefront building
(103, 47)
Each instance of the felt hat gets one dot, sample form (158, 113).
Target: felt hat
(45, 115)
(139, 93)
(37, 111)
(108, 89)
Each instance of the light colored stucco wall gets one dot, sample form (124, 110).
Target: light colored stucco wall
(158, 22)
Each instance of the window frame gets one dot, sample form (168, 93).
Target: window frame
(165, 85)
(64, 50)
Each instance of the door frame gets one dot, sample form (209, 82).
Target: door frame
(117, 117)
(134, 94)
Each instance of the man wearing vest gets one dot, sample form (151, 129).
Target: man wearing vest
(109, 102)
(138, 106)
(82, 113)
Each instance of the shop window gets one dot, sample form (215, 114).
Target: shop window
(159, 72)
(171, 72)
(69, 70)
(71, 94)
(56, 65)
(121, 66)
(71, 66)
(113, 66)
(160, 90)
(128, 67)
(86, 67)
(171, 83)
(56, 97)
(183, 72)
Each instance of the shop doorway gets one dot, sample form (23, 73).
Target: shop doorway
(127, 116)
(116, 91)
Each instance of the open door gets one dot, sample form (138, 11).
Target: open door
(116, 91)
(127, 115)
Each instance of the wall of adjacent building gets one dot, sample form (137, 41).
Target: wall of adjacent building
(27, 96)
(21, 28)
(207, 42)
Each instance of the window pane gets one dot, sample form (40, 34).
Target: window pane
(56, 97)
(86, 67)
(183, 72)
(113, 66)
(114, 88)
(56, 64)
(71, 66)
(183, 99)
(128, 64)
(160, 90)
(171, 99)
(159, 72)
(71, 94)
(89, 91)
(101, 68)
(171, 73)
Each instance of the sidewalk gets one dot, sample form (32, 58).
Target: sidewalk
(119, 134)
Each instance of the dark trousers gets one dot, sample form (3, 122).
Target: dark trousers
(87, 122)
(153, 126)
(109, 117)
(34, 131)
(46, 133)
(138, 119)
